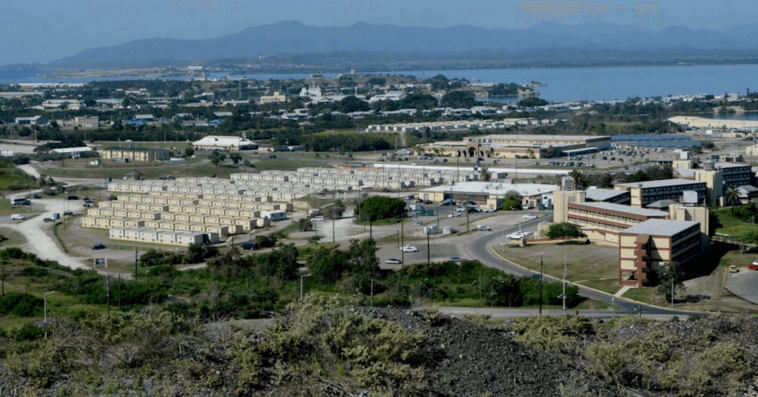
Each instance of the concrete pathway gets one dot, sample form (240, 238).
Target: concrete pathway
(622, 291)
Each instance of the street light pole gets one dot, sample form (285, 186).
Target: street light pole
(565, 268)
(4, 262)
(542, 276)
(301, 284)
(44, 296)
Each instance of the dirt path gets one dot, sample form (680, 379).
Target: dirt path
(41, 242)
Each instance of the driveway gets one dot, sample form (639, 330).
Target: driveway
(41, 242)
(744, 284)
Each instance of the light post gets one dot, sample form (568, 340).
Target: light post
(565, 269)
(44, 297)
(301, 284)
(4, 262)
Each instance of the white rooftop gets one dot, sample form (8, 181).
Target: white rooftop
(223, 141)
(663, 183)
(494, 188)
(660, 227)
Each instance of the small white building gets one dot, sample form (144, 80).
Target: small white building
(232, 143)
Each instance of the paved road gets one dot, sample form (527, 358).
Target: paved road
(480, 250)
(744, 284)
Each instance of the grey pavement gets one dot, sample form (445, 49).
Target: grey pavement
(744, 284)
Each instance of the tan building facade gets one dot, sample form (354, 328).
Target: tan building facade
(136, 154)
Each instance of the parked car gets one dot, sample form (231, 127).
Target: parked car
(753, 266)
(97, 246)
(68, 212)
(409, 248)
(18, 217)
(35, 196)
(483, 228)
(733, 269)
(72, 198)
(454, 214)
(87, 205)
(456, 259)
(530, 216)
(319, 218)
(49, 220)
(393, 261)
(248, 246)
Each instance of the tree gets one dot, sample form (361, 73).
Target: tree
(504, 290)
(304, 225)
(530, 152)
(550, 151)
(335, 211)
(564, 231)
(189, 151)
(248, 164)
(379, 207)
(580, 181)
(732, 195)
(509, 205)
(459, 99)
(484, 174)
(235, 157)
(668, 273)
(217, 158)
(532, 102)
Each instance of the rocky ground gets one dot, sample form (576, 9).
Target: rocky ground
(567, 356)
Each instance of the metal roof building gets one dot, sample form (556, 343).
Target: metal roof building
(224, 143)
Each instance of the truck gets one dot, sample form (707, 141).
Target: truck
(431, 229)
(17, 217)
(417, 208)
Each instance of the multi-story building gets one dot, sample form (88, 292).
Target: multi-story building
(645, 247)
(136, 154)
(644, 193)
(605, 221)
(734, 175)
(608, 196)
(510, 146)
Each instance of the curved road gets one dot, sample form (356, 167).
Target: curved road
(480, 249)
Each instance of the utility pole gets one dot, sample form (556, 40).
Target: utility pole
(108, 292)
(541, 277)
(428, 249)
(672, 290)
(468, 224)
(118, 290)
(301, 284)
(136, 259)
(4, 262)
(402, 245)
(565, 269)
(333, 215)
(372, 292)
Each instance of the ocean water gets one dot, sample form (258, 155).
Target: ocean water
(560, 84)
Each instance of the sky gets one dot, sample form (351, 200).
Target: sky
(44, 30)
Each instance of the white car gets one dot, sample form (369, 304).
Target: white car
(454, 214)
(409, 248)
(530, 216)
(519, 235)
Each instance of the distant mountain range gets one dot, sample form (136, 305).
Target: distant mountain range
(293, 37)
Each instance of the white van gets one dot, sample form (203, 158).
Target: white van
(18, 217)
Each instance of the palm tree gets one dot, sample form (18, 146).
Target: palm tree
(732, 195)
(485, 175)
(580, 181)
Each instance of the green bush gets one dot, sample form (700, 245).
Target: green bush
(379, 207)
(21, 305)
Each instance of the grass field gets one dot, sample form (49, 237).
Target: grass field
(12, 179)
(285, 165)
(593, 266)
(732, 225)
(13, 238)
(6, 208)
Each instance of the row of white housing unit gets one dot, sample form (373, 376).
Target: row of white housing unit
(290, 185)
(161, 236)
(458, 125)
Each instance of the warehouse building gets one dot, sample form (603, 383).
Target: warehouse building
(645, 247)
(230, 143)
(490, 195)
(136, 154)
(510, 146)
